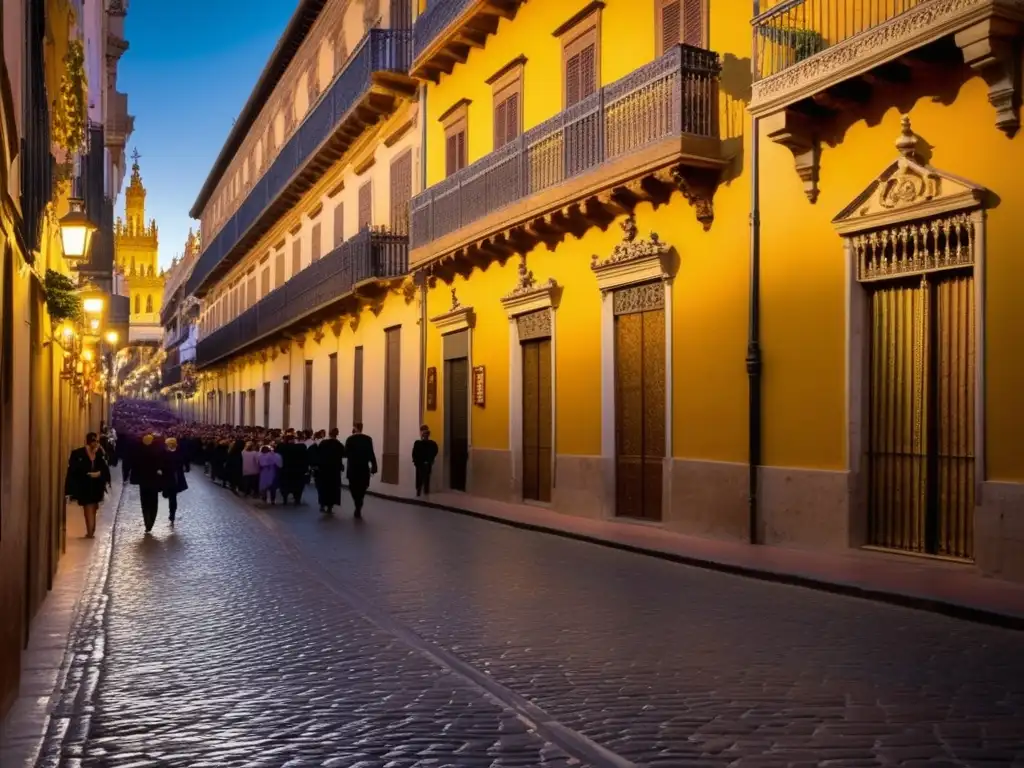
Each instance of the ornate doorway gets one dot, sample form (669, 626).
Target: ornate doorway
(456, 378)
(639, 400)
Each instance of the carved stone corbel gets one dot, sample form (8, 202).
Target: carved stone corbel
(991, 49)
(263, 355)
(318, 334)
(300, 339)
(409, 291)
(336, 326)
(698, 188)
(794, 132)
(353, 322)
(284, 346)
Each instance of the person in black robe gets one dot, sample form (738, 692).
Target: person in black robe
(362, 464)
(424, 452)
(330, 455)
(294, 469)
(147, 472)
(176, 464)
(87, 479)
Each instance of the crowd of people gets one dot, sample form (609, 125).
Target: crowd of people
(156, 451)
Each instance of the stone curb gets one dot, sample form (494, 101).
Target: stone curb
(916, 602)
(72, 701)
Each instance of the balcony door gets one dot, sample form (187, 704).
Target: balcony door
(392, 405)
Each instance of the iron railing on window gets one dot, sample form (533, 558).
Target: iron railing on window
(673, 95)
(373, 254)
(434, 20)
(381, 50)
(790, 31)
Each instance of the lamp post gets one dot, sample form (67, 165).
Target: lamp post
(76, 232)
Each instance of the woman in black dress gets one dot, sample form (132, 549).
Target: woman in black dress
(87, 479)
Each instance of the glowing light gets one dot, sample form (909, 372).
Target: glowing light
(93, 306)
(87, 355)
(111, 337)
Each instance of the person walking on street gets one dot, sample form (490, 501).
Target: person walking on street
(362, 464)
(175, 467)
(87, 479)
(424, 452)
(270, 468)
(147, 472)
(250, 469)
(330, 462)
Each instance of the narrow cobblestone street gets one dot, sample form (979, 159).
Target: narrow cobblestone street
(251, 636)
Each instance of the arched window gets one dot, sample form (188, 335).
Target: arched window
(149, 303)
(138, 304)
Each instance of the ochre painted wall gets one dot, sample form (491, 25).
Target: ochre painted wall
(529, 35)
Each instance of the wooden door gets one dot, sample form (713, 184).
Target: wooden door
(537, 419)
(921, 415)
(332, 401)
(392, 405)
(457, 408)
(639, 409)
(266, 405)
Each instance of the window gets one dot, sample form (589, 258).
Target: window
(289, 114)
(250, 297)
(581, 43)
(340, 50)
(286, 400)
(507, 85)
(315, 246)
(265, 281)
(279, 269)
(138, 304)
(366, 205)
(251, 419)
(339, 224)
(679, 21)
(149, 303)
(332, 396)
(266, 405)
(401, 192)
(357, 386)
(307, 397)
(456, 123)
(313, 84)
(296, 256)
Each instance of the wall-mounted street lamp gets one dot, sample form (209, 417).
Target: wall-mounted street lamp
(76, 232)
(111, 338)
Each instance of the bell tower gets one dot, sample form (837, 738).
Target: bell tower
(135, 198)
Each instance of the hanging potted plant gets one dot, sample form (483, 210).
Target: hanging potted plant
(62, 302)
(69, 112)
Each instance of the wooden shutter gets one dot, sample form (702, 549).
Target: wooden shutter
(250, 298)
(671, 24)
(332, 399)
(366, 205)
(307, 397)
(572, 80)
(266, 405)
(460, 155)
(693, 22)
(316, 245)
(265, 281)
(279, 270)
(357, 386)
(296, 256)
(339, 224)
(401, 192)
(500, 124)
(588, 71)
(451, 159)
(512, 117)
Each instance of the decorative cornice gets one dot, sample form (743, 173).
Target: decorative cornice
(528, 295)
(518, 61)
(461, 103)
(458, 318)
(632, 261)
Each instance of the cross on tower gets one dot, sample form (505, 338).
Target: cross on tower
(136, 155)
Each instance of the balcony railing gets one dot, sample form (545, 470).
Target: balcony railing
(433, 21)
(381, 50)
(670, 97)
(793, 30)
(170, 375)
(370, 255)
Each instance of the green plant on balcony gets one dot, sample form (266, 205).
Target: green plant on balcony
(69, 110)
(62, 302)
(804, 42)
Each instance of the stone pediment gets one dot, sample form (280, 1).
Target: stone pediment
(908, 188)
(633, 260)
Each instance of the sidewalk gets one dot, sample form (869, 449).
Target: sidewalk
(45, 662)
(951, 588)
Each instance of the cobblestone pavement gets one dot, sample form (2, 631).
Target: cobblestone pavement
(275, 637)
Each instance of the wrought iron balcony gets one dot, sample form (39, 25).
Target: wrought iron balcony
(170, 375)
(447, 29)
(661, 115)
(372, 255)
(176, 336)
(834, 51)
(370, 84)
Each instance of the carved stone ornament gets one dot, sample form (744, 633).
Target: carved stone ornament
(409, 291)
(318, 334)
(908, 189)
(528, 295)
(455, 319)
(796, 133)
(987, 32)
(263, 355)
(336, 327)
(632, 261)
(284, 346)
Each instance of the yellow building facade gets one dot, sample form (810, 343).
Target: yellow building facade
(137, 256)
(763, 292)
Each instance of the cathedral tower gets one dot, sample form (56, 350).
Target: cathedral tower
(136, 252)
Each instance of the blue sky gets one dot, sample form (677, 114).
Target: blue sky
(189, 69)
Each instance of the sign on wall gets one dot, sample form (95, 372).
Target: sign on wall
(478, 385)
(432, 389)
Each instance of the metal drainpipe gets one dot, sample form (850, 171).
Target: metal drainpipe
(753, 359)
(423, 274)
